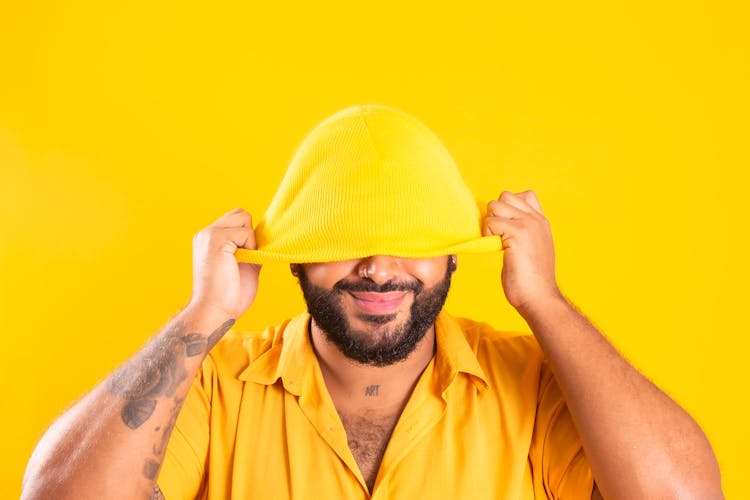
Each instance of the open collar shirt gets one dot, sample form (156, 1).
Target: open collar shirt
(486, 420)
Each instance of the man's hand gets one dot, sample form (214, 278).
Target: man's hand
(220, 282)
(528, 274)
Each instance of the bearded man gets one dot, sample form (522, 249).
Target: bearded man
(375, 391)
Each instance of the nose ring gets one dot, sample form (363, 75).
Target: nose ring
(365, 271)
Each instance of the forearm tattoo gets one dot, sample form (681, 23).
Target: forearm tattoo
(156, 372)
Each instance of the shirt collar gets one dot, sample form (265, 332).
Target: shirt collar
(454, 354)
(292, 359)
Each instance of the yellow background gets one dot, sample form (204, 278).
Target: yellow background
(126, 127)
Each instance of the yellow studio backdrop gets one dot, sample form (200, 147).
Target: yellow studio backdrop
(125, 128)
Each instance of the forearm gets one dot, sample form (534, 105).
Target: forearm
(112, 442)
(639, 443)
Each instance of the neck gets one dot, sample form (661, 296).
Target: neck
(356, 382)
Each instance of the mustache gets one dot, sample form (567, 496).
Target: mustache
(371, 286)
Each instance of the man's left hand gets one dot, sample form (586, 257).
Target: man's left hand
(528, 274)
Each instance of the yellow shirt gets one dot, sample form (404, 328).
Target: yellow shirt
(486, 420)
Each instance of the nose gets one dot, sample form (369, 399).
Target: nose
(379, 268)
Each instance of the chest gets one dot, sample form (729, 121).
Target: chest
(367, 434)
(286, 447)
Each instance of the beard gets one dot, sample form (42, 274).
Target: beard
(384, 344)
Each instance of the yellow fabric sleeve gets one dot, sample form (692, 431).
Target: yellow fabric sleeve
(560, 469)
(182, 472)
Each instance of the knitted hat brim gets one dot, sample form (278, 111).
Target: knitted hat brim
(370, 180)
(270, 255)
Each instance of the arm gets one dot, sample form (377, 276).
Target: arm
(111, 443)
(120, 429)
(639, 443)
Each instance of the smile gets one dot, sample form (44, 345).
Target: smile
(378, 303)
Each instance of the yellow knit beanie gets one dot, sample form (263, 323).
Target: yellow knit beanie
(369, 180)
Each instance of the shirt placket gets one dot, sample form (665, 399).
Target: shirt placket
(422, 412)
(317, 406)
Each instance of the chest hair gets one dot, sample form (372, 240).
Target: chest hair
(368, 435)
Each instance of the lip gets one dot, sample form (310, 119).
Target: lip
(378, 303)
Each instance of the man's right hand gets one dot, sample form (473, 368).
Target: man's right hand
(220, 283)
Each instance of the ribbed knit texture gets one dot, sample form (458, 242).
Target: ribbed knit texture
(369, 180)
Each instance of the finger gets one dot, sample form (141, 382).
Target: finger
(507, 229)
(229, 239)
(516, 200)
(531, 198)
(238, 217)
(247, 269)
(499, 208)
(502, 226)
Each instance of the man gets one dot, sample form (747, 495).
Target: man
(375, 392)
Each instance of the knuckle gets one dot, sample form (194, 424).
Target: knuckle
(211, 236)
(200, 235)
